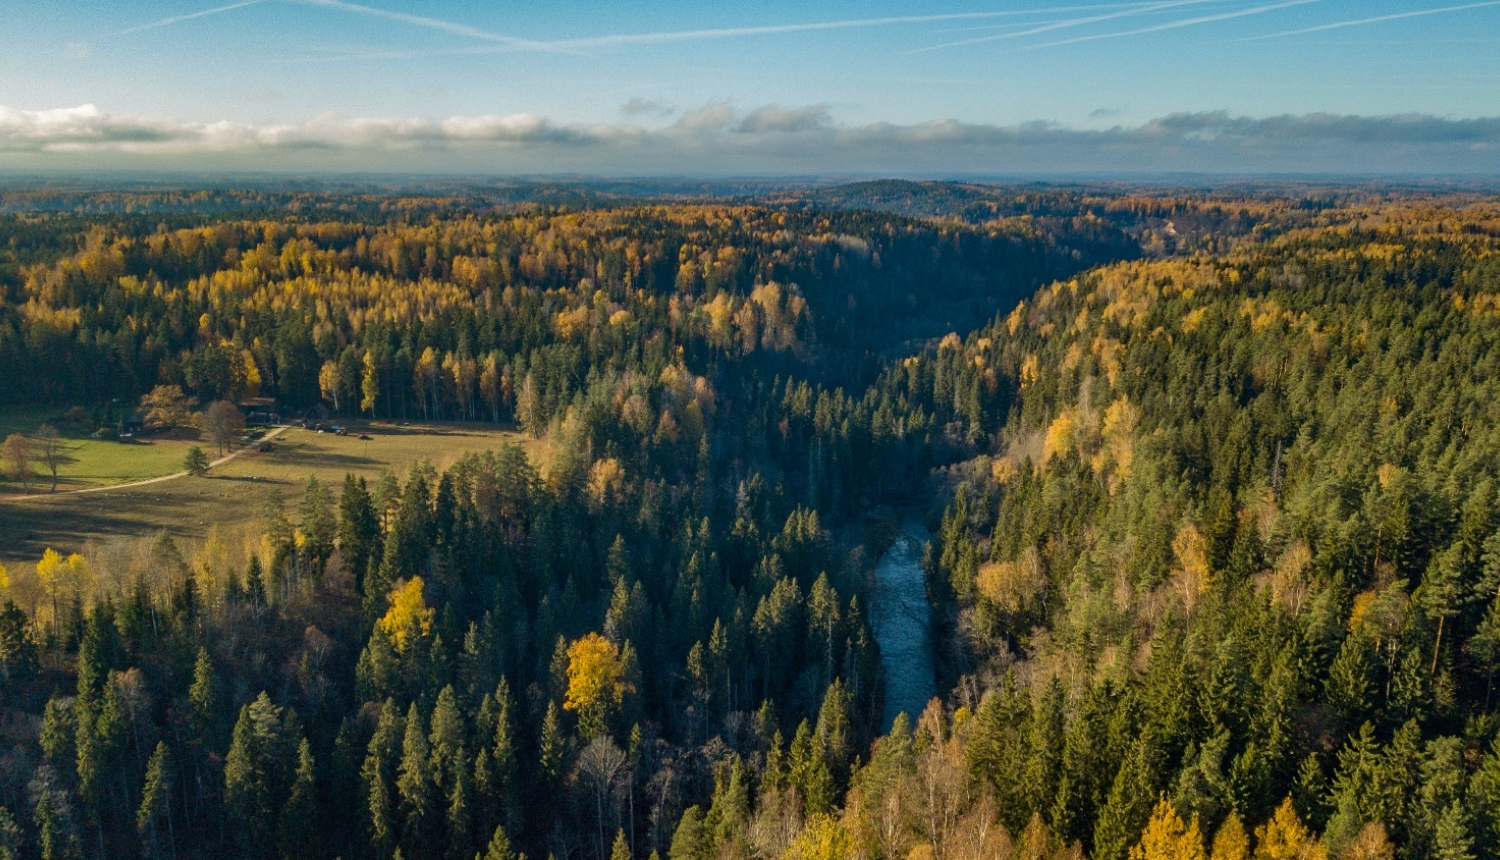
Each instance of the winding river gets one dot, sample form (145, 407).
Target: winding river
(902, 620)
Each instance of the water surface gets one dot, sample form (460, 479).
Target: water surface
(902, 620)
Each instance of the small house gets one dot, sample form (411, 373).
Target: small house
(260, 411)
(133, 424)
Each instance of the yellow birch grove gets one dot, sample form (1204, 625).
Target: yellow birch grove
(1167, 838)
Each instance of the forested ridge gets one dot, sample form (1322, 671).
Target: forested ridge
(1215, 557)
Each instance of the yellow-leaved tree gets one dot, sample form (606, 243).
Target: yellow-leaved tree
(1231, 842)
(63, 580)
(1167, 838)
(409, 618)
(1285, 837)
(596, 683)
(821, 838)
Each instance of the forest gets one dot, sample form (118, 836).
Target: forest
(1212, 479)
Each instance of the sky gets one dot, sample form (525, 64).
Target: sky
(953, 88)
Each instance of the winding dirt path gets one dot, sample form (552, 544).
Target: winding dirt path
(183, 474)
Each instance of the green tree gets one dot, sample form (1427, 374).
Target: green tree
(499, 848)
(379, 773)
(689, 842)
(359, 527)
(156, 804)
(297, 828)
(196, 462)
(414, 784)
(318, 525)
(254, 777)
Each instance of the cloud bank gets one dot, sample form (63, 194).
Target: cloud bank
(718, 140)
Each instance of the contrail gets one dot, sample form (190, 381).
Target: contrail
(1374, 20)
(1189, 22)
(1072, 22)
(432, 23)
(573, 45)
(996, 26)
(771, 29)
(190, 16)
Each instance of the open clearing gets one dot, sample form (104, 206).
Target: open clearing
(98, 462)
(233, 493)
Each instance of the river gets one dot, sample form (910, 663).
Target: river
(902, 620)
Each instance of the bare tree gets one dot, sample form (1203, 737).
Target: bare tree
(224, 422)
(18, 452)
(52, 451)
(600, 764)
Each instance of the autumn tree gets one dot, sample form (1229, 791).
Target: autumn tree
(331, 383)
(369, 386)
(596, 683)
(1167, 838)
(1285, 837)
(166, 407)
(408, 618)
(224, 422)
(19, 452)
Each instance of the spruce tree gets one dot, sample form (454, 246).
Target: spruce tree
(297, 831)
(414, 784)
(155, 811)
(379, 774)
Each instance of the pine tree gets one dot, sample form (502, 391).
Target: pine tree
(459, 813)
(1044, 759)
(318, 525)
(552, 750)
(1484, 805)
(54, 840)
(156, 804)
(446, 739)
(688, 841)
(809, 771)
(378, 772)
(621, 849)
(835, 730)
(298, 827)
(414, 783)
(1452, 840)
(359, 527)
(503, 762)
(1126, 809)
(499, 848)
(251, 777)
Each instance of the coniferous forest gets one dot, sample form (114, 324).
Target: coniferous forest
(1212, 482)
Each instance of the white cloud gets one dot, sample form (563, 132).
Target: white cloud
(718, 139)
(775, 119)
(710, 117)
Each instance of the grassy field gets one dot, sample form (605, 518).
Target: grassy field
(232, 494)
(97, 462)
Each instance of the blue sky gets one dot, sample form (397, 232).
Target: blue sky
(756, 87)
